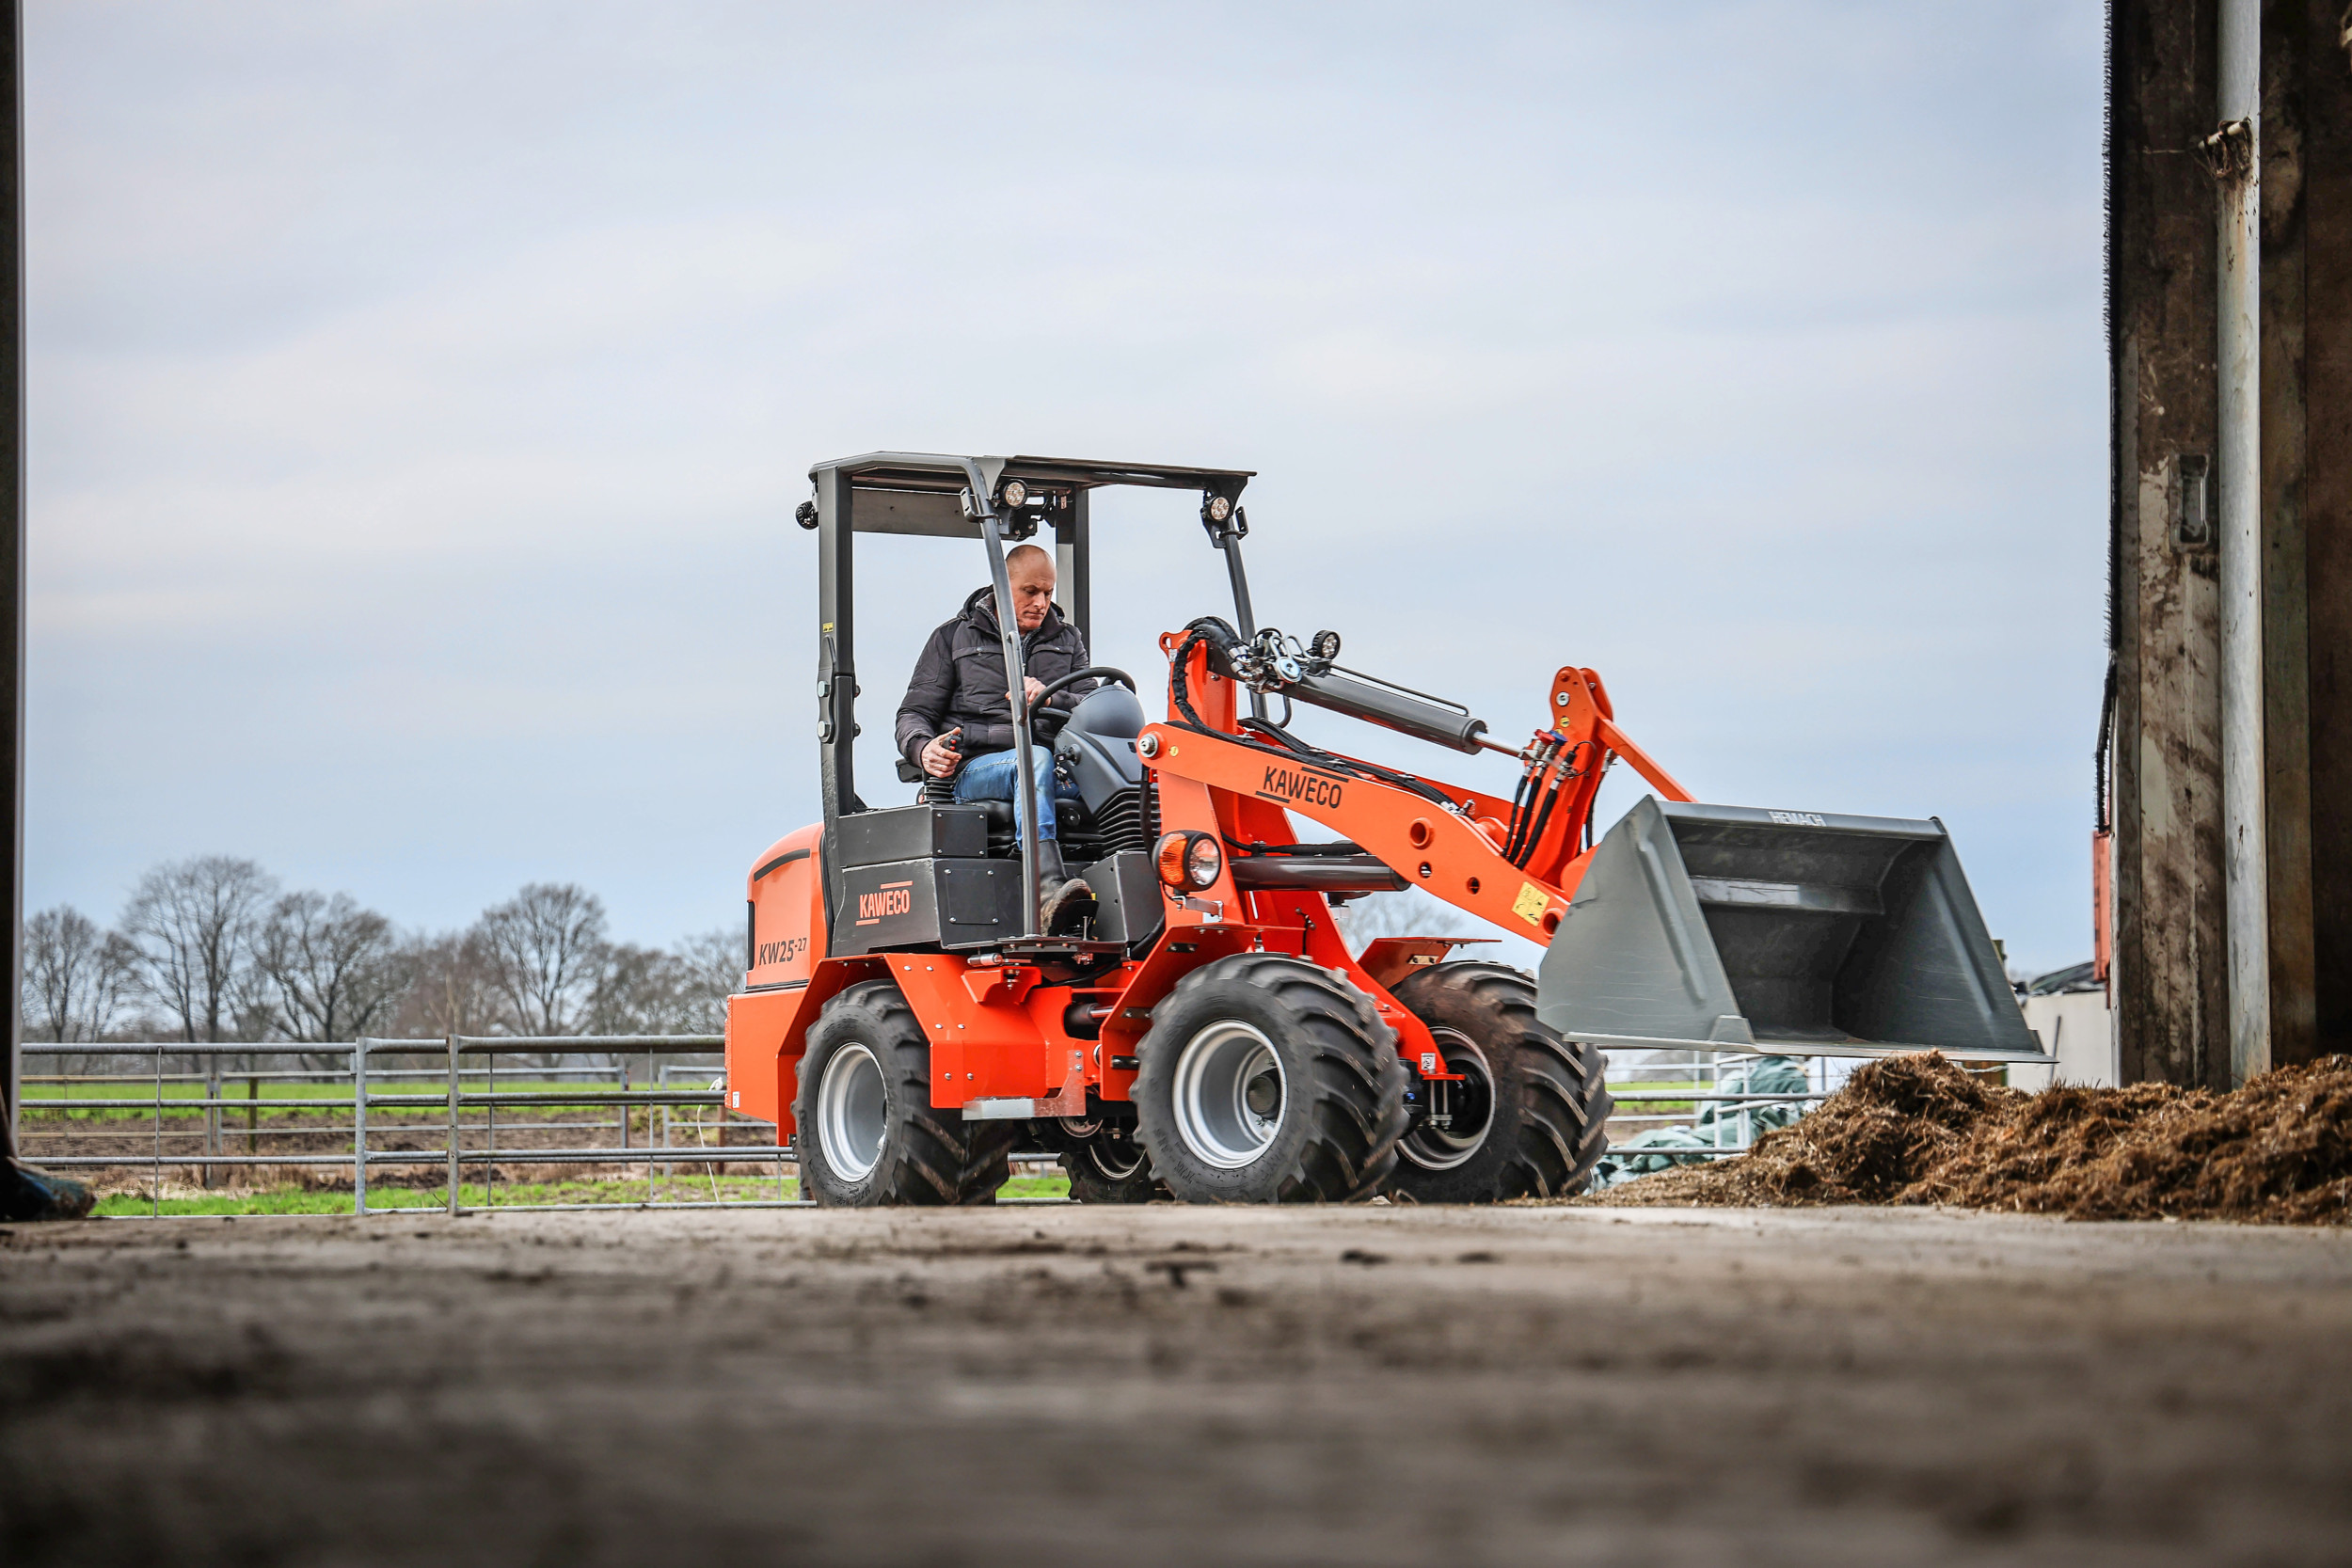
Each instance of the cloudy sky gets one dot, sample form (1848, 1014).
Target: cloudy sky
(420, 392)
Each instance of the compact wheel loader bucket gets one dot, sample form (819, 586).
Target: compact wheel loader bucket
(1723, 927)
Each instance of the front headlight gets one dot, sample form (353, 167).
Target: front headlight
(1188, 859)
(1015, 493)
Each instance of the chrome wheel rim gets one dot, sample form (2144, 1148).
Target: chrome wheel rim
(852, 1112)
(1473, 1098)
(1229, 1094)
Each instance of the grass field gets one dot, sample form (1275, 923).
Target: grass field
(308, 1201)
(1652, 1107)
(279, 1098)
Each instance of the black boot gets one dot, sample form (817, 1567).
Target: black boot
(1065, 900)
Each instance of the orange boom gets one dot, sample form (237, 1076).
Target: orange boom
(1202, 1030)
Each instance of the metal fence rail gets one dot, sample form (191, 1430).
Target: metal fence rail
(466, 1090)
(381, 1077)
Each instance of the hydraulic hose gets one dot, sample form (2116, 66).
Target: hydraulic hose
(1543, 819)
(1531, 786)
(1222, 640)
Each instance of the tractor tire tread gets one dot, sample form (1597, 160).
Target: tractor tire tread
(941, 1162)
(1565, 1103)
(1356, 1092)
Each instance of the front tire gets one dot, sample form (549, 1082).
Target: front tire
(867, 1135)
(1267, 1079)
(1527, 1121)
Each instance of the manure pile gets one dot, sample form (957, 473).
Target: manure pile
(1917, 1130)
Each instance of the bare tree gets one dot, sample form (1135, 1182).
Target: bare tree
(450, 989)
(193, 924)
(75, 976)
(642, 990)
(330, 969)
(546, 951)
(714, 962)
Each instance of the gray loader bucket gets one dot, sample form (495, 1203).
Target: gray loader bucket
(1723, 927)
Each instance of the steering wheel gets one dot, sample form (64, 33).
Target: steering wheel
(1092, 671)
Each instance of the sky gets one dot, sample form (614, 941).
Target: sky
(420, 394)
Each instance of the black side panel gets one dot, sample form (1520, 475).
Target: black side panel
(945, 902)
(979, 900)
(911, 832)
(1128, 905)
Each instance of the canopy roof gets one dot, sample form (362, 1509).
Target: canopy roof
(945, 473)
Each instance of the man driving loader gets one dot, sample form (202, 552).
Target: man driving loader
(956, 721)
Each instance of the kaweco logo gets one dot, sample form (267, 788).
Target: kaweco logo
(782, 952)
(889, 899)
(1291, 784)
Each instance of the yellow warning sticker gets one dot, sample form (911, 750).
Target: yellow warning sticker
(1531, 903)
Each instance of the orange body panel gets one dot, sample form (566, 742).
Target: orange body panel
(994, 1033)
(2102, 909)
(789, 982)
(787, 910)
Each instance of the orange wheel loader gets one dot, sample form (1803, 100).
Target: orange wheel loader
(1203, 1031)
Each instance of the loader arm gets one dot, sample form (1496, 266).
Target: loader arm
(1456, 851)
(1444, 851)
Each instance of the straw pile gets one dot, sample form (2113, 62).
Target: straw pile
(1917, 1130)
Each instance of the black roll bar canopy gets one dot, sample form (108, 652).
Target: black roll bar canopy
(940, 496)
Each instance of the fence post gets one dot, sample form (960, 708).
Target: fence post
(454, 1043)
(359, 1127)
(155, 1184)
(212, 1113)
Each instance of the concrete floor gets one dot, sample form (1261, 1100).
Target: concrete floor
(1165, 1384)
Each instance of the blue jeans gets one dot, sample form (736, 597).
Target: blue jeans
(997, 777)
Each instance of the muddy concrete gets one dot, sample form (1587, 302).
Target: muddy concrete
(1167, 1385)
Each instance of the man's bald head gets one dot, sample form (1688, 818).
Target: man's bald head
(1029, 572)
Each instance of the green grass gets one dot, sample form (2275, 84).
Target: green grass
(303, 1200)
(280, 1099)
(1654, 1107)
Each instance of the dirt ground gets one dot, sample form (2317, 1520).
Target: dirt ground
(1168, 1384)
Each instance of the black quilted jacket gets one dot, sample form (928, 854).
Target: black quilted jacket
(960, 679)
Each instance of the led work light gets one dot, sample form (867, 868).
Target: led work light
(1189, 860)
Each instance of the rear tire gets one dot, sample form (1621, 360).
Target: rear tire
(1108, 1169)
(867, 1135)
(1530, 1122)
(1268, 1080)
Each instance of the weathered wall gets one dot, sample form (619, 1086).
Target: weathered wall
(2321, 111)
(2169, 973)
